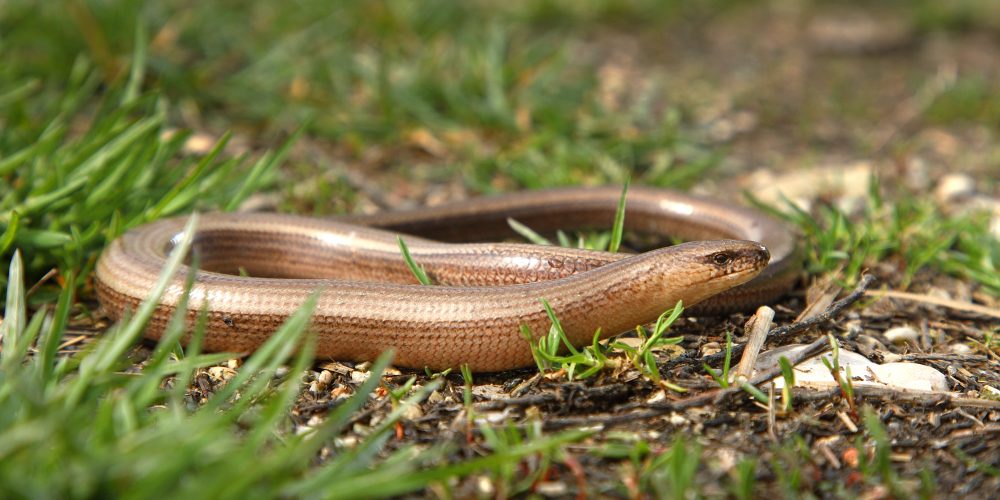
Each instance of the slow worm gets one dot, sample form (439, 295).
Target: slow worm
(370, 302)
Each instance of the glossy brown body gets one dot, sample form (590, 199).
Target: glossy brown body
(369, 303)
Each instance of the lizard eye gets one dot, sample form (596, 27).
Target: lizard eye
(721, 258)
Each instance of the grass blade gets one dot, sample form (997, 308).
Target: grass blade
(416, 269)
(619, 226)
(15, 315)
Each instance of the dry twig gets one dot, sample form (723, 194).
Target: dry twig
(937, 301)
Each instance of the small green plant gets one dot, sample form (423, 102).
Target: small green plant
(843, 380)
(643, 358)
(878, 468)
(672, 474)
(974, 464)
(546, 350)
(505, 477)
(788, 376)
(416, 269)
(618, 228)
(396, 394)
(722, 377)
(530, 234)
(594, 357)
(470, 413)
(744, 479)
(788, 463)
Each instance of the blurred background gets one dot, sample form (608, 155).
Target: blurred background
(499, 95)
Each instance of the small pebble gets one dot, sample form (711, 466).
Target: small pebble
(221, 372)
(435, 397)
(710, 348)
(871, 342)
(346, 442)
(954, 187)
(551, 488)
(990, 392)
(484, 486)
(960, 349)
(677, 419)
(489, 391)
(902, 334)
(813, 373)
(850, 457)
(413, 412)
(910, 376)
(359, 376)
(632, 342)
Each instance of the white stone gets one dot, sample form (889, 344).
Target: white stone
(902, 334)
(413, 412)
(954, 187)
(961, 349)
(813, 373)
(551, 488)
(489, 391)
(910, 376)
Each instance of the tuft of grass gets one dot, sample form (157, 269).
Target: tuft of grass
(672, 474)
(910, 229)
(594, 358)
(594, 241)
(788, 375)
(546, 350)
(722, 377)
(519, 108)
(643, 358)
(878, 468)
(843, 379)
(74, 178)
(744, 479)
(788, 464)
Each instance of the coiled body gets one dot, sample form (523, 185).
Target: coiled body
(369, 302)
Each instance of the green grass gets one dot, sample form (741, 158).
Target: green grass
(506, 106)
(909, 232)
(79, 169)
(84, 426)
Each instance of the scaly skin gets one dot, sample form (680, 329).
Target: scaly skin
(477, 321)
